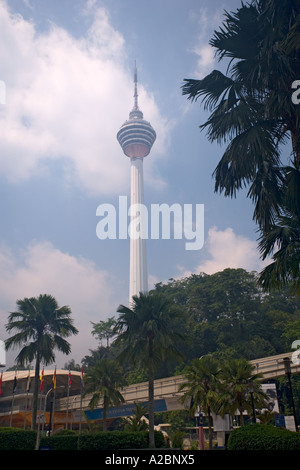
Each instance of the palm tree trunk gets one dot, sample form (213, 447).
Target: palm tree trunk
(151, 397)
(242, 422)
(210, 433)
(104, 425)
(35, 391)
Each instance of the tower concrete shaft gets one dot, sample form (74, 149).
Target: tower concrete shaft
(136, 137)
(138, 273)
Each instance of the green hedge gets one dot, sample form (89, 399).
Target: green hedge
(118, 440)
(263, 437)
(67, 442)
(17, 439)
(159, 439)
(111, 440)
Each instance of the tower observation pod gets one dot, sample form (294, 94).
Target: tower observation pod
(136, 137)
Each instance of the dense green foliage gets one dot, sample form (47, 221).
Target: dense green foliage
(263, 437)
(17, 439)
(225, 313)
(228, 313)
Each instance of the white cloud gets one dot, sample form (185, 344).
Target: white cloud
(204, 52)
(224, 249)
(43, 269)
(66, 99)
(152, 280)
(205, 60)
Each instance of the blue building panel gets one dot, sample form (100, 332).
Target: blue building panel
(123, 410)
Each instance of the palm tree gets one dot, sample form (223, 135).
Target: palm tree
(237, 375)
(202, 385)
(147, 333)
(104, 329)
(42, 327)
(103, 381)
(137, 421)
(251, 106)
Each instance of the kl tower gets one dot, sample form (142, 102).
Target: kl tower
(136, 137)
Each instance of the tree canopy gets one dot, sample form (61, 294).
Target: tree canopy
(226, 313)
(229, 313)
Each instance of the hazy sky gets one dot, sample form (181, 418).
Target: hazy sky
(68, 70)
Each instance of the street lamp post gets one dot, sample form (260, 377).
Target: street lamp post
(45, 405)
(288, 372)
(37, 444)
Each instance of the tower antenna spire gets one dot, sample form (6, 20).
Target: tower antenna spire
(136, 106)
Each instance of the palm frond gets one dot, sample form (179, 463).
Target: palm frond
(212, 88)
(239, 35)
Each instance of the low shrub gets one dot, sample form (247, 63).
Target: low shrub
(17, 439)
(263, 437)
(63, 441)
